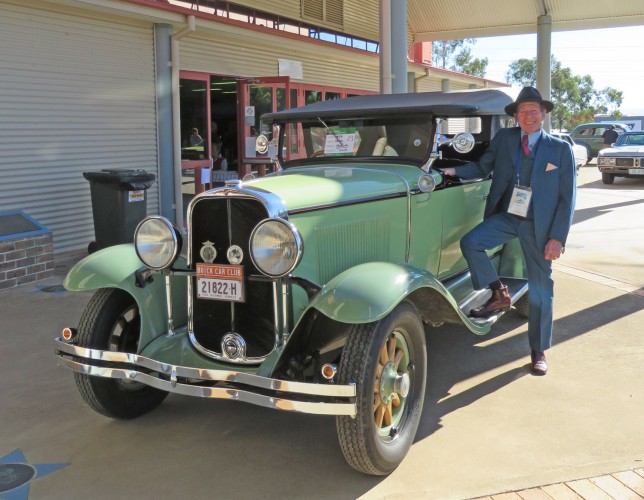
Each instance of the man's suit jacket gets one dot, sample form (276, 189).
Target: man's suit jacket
(553, 180)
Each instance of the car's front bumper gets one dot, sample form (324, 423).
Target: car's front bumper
(624, 165)
(622, 171)
(321, 399)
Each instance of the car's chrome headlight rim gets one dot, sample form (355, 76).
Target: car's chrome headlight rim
(275, 247)
(157, 242)
(426, 183)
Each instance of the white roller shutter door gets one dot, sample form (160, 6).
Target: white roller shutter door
(76, 94)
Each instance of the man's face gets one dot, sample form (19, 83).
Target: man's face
(529, 116)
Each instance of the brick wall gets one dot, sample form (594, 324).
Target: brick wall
(26, 259)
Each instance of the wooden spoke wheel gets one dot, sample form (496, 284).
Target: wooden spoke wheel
(387, 360)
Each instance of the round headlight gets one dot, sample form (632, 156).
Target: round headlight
(275, 247)
(157, 242)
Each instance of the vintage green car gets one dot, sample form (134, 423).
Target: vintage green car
(590, 136)
(309, 289)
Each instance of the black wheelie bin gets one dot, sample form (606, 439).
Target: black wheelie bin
(118, 204)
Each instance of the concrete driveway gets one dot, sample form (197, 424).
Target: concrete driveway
(488, 425)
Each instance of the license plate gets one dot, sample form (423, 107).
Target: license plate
(636, 171)
(220, 282)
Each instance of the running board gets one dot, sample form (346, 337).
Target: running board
(516, 288)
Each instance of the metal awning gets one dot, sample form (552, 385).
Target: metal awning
(457, 19)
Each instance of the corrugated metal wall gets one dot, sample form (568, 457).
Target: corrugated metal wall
(360, 18)
(232, 54)
(76, 94)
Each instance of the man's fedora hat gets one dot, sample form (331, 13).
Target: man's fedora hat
(528, 94)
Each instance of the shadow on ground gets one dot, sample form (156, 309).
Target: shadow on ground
(455, 355)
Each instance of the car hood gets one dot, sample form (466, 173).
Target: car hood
(623, 151)
(309, 187)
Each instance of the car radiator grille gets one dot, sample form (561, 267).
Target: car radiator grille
(624, 162)
(226, 222)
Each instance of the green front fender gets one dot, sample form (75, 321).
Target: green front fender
(112, 267)
(115, 267)
(369, 292)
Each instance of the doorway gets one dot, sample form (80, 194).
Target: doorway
(224, 123)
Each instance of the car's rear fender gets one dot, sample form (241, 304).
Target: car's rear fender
(116, 267)
(368, 292)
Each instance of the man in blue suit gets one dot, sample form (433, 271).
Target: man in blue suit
(532, 198)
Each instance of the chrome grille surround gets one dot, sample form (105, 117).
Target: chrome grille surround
(232, 195)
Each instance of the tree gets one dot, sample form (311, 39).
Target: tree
(446, 55)
(442, 51)
(575, 98)
(613, 99)
(465, 63)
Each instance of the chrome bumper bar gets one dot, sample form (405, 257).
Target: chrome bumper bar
(319, 399)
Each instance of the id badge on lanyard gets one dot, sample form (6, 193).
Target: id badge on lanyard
(520, 201)
(521, 195)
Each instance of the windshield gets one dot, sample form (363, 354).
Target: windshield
(631, 140)
(406, 138)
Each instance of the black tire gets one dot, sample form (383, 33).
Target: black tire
(383, 430)
(111, 322)
(607, 178)
(92, 247)
(522, 306)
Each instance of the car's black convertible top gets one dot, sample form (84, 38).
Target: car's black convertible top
(462, 102)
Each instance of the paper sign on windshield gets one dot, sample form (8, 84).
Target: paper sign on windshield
(340, 142)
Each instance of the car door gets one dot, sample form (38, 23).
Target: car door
(595, 139)
(463, 205)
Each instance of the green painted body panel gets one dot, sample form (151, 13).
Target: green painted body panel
(111, 267)
(331, 235)
(357, 248)
(306, 187)
(347, 215)
(368, 292)
(114, 267)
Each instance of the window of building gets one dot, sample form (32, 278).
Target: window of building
(328, 12)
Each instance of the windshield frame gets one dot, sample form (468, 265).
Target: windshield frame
(394, 129)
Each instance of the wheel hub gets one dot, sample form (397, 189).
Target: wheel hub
(391, 387)
(391, 383)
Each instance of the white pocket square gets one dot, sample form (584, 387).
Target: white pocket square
(550, 167)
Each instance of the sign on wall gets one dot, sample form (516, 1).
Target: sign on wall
(290, 68)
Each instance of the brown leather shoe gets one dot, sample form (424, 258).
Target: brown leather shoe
(538, 365)
(500, 301)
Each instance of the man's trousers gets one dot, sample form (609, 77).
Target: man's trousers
(497, 230)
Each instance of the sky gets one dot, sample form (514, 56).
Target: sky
(613, 57)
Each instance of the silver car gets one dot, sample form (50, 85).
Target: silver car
(624, 159)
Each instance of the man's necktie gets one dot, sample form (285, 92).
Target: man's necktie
(524, 145)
